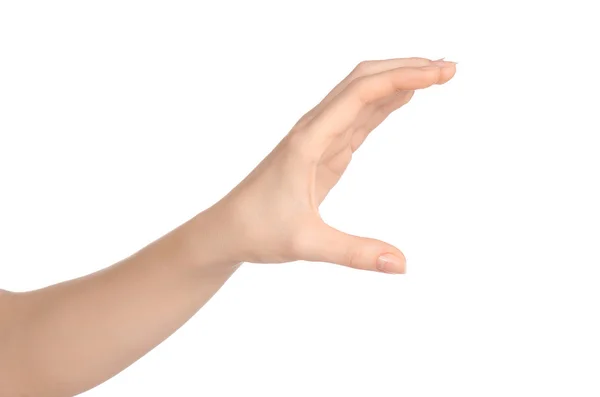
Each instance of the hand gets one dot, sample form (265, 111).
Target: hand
(272, 216)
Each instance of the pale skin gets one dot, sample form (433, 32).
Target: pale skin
(67, 338)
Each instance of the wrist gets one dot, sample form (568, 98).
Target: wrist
(210, 241)
(202, 246)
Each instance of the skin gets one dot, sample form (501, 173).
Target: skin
(67, 338)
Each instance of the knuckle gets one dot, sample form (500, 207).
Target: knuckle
(361, 88)
(298, 144)
(296, 139)
(357, 85)
(305, 118)
(363, 68)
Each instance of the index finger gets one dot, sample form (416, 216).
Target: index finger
(366, 68)
(342, 110)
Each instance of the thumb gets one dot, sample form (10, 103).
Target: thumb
(334, 246)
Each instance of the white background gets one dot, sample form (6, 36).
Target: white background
(121, 119)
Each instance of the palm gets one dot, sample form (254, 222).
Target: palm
(338, 155)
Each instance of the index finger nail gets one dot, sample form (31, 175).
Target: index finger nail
(430, 67)
(443, 64)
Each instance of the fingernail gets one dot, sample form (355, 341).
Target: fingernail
(442, 63)
(389, 263)
(431, 67)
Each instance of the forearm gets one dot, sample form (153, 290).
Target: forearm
(69, 337)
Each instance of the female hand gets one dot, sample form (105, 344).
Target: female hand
(272, 216)
(66, 338)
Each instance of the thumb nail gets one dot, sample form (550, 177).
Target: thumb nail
(389, 263)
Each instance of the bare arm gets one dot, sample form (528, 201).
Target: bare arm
(67, 338)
